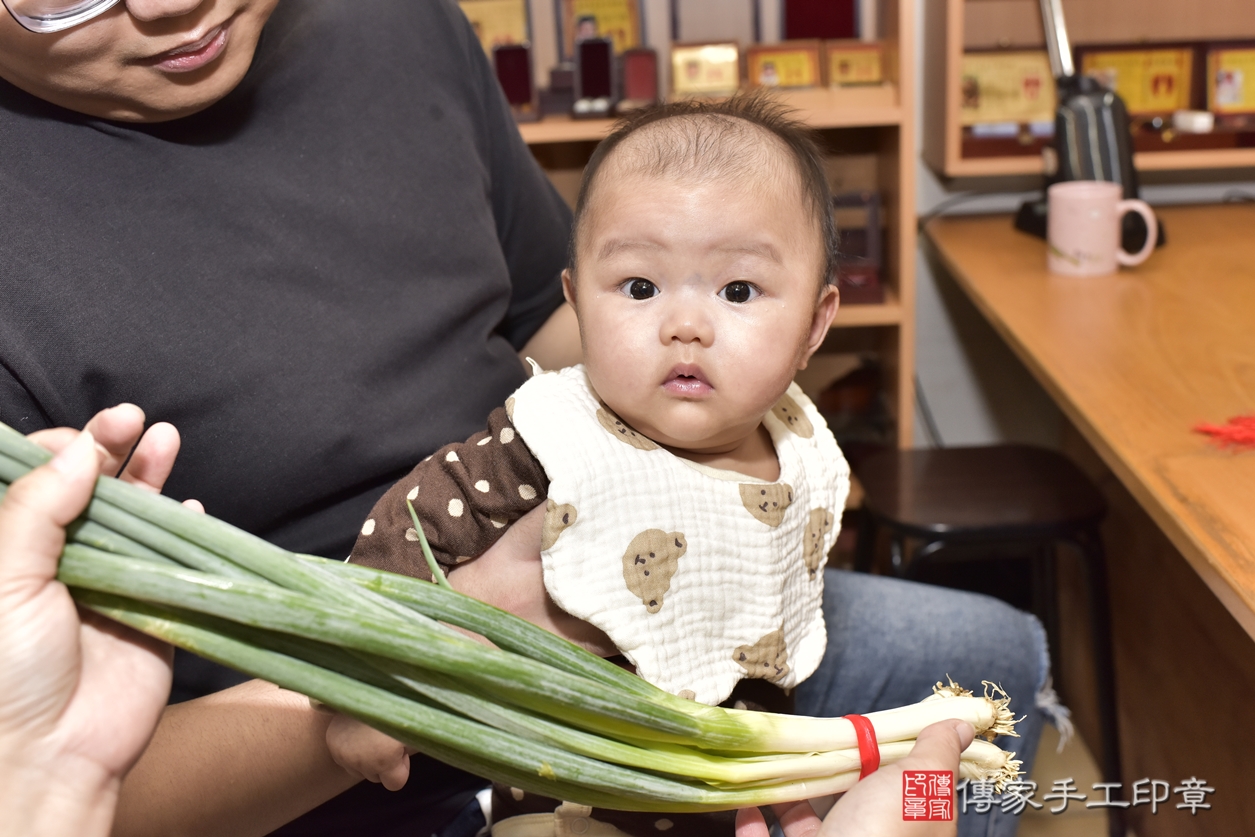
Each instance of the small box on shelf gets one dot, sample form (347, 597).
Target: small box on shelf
(559, 96)
(854, 63)
(638, 74)
(705, 69)
(784, 65)
(859, 253)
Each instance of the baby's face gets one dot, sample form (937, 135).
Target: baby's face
(698, 302)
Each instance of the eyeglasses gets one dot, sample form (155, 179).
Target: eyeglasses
(55, 15)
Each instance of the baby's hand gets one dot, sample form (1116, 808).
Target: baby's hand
(368, 753)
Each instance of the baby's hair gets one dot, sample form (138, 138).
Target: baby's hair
(708, 136)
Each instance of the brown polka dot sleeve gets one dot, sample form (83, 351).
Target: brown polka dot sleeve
(465, 495)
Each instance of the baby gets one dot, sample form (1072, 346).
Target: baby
(692, 491)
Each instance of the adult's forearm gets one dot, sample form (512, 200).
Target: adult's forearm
(557, 344)
(240, 762)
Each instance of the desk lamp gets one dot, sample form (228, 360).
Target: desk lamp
(1092, 136)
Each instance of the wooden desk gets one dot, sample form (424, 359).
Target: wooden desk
(1135, 360)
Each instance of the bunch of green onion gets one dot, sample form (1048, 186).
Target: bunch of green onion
(532, 711)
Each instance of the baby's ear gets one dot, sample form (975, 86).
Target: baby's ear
(568, 286)
(821, 321)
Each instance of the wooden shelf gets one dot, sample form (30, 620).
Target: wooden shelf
(847, 107)
(887, 313)
(1220, 158)
(993, 166)
(844, 107)
(554, 129)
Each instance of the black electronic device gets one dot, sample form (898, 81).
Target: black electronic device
(594, 78)
(1093, 140)
(513, 66)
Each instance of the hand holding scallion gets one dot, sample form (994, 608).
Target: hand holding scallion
(79, 693)
(874, 805)
(533, 710)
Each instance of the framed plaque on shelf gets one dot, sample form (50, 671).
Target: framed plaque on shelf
(853, 62)
(1151, 81)
(618, 20)
(714, 21)
(1006, 87)
(497, 22)
(787, 64)
(705, 69)
(1231, 80)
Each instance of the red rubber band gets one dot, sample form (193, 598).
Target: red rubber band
(868, 747)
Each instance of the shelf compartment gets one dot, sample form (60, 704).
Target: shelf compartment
(953, 26)
(820, 107)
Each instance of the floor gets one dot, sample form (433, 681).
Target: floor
(1075, 763)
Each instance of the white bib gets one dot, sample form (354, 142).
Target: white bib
(700, 577)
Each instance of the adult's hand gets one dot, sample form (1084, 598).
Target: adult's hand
(874, 805)
(79, 694)
(509, 576)
(119, 434)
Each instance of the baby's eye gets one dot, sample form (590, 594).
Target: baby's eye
(640, 288)
(738, 292)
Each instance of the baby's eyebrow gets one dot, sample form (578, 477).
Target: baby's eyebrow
(762, 250)
(618, 245)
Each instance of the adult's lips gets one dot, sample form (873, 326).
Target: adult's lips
(194, 54)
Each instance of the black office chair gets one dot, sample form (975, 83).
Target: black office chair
(998, 499)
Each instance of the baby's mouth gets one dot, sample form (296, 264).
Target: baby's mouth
(687, 380)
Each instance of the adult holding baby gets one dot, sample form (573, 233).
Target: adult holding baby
(251, 219)
(310, 236)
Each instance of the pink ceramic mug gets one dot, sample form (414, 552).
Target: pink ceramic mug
(1083, 228)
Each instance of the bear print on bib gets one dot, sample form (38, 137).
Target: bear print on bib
(701, 578)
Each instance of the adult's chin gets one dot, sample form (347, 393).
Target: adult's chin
(100, 69)
(158, 96)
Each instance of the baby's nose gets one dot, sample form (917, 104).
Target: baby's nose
(687, 321)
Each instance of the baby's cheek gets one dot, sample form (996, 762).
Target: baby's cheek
(762, 379)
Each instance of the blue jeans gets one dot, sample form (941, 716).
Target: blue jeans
(889, 641)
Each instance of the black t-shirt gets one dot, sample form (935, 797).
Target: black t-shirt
(319, 280)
